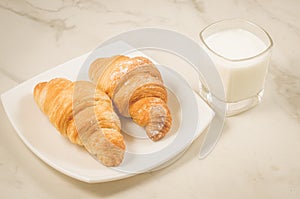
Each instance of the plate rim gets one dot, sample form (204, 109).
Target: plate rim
(5, 97)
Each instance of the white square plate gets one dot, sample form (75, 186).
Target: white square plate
(43, 140)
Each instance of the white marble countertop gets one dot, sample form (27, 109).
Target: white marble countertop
(258, 153)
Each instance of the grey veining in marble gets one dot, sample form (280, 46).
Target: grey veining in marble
(288, 88)
(30, 12)
(257, 156)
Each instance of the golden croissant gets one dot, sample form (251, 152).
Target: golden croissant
(136, 87)
(84, 115)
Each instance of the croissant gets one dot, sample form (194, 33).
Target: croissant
(84, 115)
(136, 87)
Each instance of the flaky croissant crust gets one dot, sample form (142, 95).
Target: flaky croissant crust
(136, 87)
(84, 115)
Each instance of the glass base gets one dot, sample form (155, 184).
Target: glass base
(235, 108)
(232, 108)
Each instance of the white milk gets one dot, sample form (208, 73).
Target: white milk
(241, 79)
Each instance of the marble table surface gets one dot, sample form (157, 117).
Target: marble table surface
(258, 153)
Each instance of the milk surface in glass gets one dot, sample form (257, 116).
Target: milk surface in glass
(242, 77)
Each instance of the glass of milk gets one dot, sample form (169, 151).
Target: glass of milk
(241, 52)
